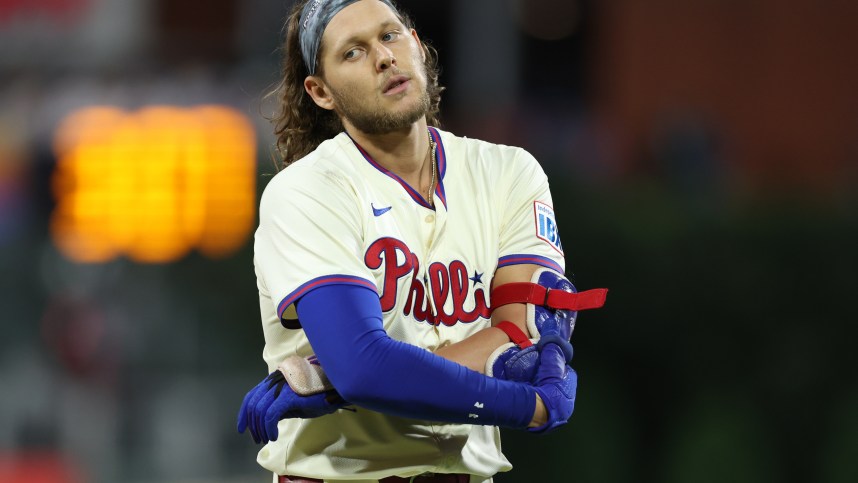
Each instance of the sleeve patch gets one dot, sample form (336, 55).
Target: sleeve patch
(546, 225)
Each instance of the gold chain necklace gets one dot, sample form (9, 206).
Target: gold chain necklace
(434, 168)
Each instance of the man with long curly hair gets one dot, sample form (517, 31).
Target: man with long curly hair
(421, 270)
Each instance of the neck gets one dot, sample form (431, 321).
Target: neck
(405, 152)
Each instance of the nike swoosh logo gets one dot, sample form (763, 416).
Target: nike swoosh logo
(379, 211)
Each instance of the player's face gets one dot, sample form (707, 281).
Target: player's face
(374, 69)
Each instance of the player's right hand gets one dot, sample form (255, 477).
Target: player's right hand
(273, 400)
(556, 383)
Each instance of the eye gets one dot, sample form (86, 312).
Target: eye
(390, 36)
(351, 54)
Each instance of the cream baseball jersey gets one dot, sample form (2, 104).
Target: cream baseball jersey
(338, 217)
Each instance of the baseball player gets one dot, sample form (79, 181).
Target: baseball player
(410, 280)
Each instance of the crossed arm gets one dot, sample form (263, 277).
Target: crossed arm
(475, 350)
(374, 371)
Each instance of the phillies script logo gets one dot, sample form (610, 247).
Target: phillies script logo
(446, 282)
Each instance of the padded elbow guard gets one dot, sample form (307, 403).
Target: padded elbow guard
(552, 304)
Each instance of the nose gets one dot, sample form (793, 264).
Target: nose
(384, 58)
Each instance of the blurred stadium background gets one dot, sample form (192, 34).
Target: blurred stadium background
(704, 164)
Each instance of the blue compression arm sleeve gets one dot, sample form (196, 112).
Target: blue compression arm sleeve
(368, 368)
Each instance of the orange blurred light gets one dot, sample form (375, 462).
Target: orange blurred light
(153, 184)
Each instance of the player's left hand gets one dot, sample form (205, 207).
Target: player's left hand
(273, 400)
(557, 384)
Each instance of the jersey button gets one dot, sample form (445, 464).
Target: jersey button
(430, 218)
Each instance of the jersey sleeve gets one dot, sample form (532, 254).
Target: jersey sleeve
(528, 230)
(309, 235)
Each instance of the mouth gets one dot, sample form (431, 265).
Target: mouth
(396, 84)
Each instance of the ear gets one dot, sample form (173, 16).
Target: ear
(318, 91)
(419, 44)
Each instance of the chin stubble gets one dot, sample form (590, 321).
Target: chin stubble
(375, 119)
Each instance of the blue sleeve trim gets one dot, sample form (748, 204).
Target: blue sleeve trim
(533, 259)
(319, 282)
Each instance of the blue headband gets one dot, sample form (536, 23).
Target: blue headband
(315, 17)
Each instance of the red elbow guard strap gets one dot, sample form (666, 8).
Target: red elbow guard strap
(516, 335)
(533, 293)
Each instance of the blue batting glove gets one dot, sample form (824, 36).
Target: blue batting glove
(273, 400)
(291, 405)
(257, 399)
(556, 383)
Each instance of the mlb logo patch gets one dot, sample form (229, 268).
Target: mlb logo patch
(546, 225)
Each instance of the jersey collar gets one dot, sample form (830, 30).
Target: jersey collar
(441, 158)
